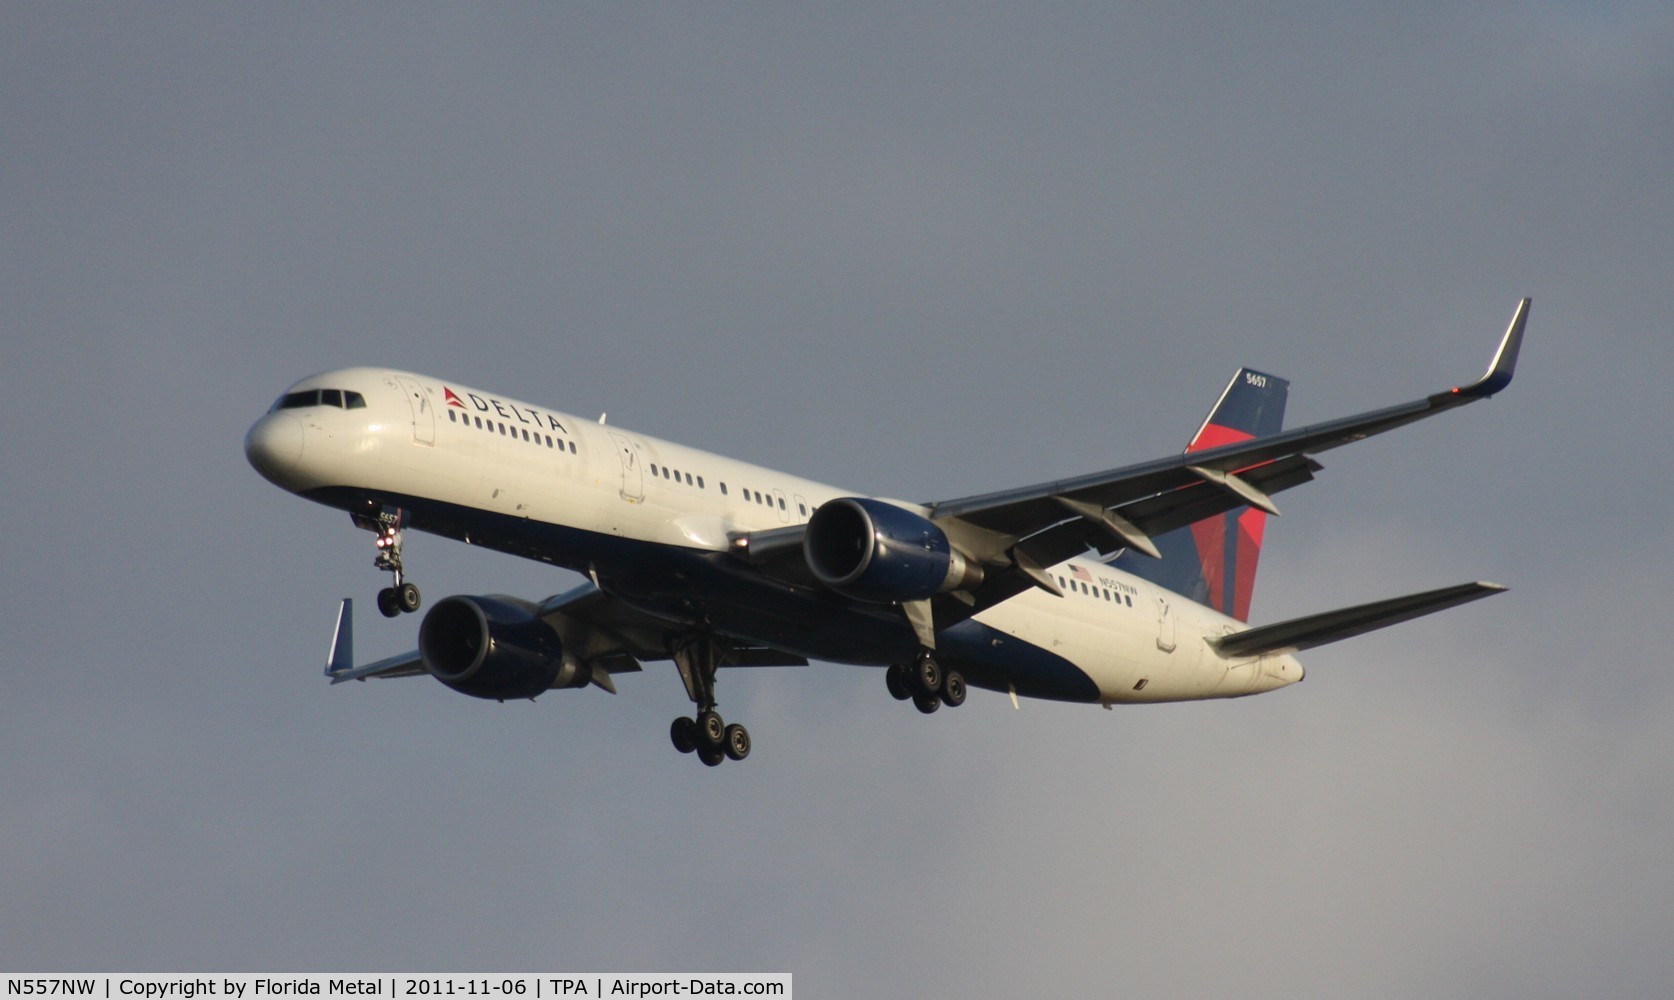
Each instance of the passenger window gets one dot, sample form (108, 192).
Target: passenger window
(781, 503)
(723, 489)
(479, 423)
(452, 417)
(700, 482)
(653, 469)
(688, 479)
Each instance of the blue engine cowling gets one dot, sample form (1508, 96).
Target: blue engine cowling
(874, 551)
(495, 647)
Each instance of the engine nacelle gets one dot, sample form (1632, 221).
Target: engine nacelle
(874, 551)
(495, 647)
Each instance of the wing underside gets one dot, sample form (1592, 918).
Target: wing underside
(597, 629)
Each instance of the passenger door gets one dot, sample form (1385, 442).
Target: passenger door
(424, 415)
(633, 471)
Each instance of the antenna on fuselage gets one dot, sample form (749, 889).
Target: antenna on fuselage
(601, 418)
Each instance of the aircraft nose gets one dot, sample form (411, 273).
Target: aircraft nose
(274, 446)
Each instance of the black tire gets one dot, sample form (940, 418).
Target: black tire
(927, 703)
(953, 689)
(711, 756)
(388, 604)
(896, 679)
(927, 675)
(407, 598)
(737, 745)
(711, 730)
(683, 734)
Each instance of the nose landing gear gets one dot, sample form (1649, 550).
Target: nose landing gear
(386, 523)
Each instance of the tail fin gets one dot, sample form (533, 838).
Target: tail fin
(1213, 562)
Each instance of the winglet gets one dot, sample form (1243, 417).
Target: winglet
(1504, 364)
(341, 656)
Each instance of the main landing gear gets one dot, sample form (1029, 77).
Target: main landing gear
(402, 597)
(707, 735)
(926, 684)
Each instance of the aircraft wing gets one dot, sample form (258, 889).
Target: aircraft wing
(1317, 630)
(1129, 505)
(340, 659)
(598, 629)
(603, 629)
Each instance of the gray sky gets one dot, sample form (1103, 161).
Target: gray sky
(919, 251)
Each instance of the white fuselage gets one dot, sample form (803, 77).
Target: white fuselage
(416, 438)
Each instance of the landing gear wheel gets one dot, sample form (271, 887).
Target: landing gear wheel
(696, 656)
(407, 598)
(710, 729)
(388, 603)
(896, 679)
(953, 689)
(927, 675)
(683, 734)
(737, 745)
(927, 703)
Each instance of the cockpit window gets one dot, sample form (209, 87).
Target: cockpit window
(343, 399)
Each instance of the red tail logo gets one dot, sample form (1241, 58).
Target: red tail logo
(1214, 561)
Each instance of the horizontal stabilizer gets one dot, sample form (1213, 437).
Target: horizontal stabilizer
(1317, 630)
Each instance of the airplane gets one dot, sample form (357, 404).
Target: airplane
(1130, 585)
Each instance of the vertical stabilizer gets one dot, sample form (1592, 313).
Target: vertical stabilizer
(1213, 562)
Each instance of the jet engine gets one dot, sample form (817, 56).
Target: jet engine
(495, 647)
(874, 551)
